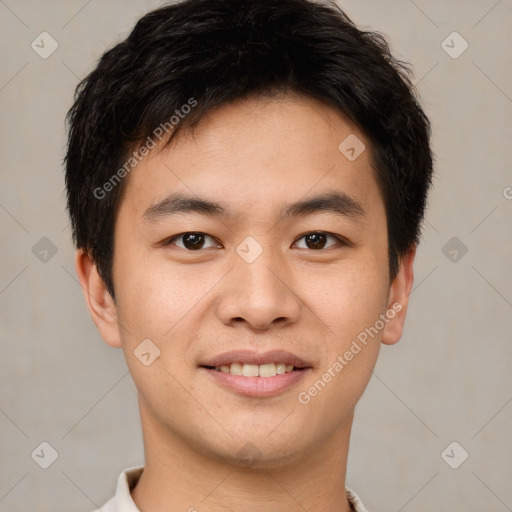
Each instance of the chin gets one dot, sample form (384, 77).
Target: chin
(260, 450)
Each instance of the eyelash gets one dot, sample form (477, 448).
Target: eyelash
(340, 240)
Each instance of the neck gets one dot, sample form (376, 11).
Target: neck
(176, 473)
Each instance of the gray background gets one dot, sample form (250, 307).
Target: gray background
(448, 379)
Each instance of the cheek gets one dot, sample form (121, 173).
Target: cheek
(152, 297)
(350, 299)
(153, 307)
(350, 304)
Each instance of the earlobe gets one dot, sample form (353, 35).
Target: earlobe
(101, 306)
(399, 293)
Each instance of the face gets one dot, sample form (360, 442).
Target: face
(254, 246)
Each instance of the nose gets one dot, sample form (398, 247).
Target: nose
(259, 294)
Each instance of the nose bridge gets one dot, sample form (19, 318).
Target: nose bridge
(261, 277)
(258, 292)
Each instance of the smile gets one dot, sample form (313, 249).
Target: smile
(256, 370)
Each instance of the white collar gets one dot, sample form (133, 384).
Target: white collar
(123, 501)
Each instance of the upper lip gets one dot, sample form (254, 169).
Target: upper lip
(252, 357)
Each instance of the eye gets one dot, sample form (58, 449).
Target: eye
(191, 241)
(194, 241)
(317, 240)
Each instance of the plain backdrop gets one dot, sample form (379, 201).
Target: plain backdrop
(449, 378)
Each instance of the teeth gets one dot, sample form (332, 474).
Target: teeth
(250, 370)
(281, 368)
(267, 370)
(255, 370)
(236, 369)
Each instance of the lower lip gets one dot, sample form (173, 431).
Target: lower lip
(257, 386)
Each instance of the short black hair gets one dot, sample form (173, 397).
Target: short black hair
(208, 53)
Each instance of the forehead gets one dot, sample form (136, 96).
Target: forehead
(258, 153)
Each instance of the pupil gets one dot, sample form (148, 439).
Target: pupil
(193, 241)
(316, 240)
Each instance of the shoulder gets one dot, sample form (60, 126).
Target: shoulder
(355, 502)
(122, 501)
(110, 506)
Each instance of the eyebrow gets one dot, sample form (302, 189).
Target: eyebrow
(338, 203)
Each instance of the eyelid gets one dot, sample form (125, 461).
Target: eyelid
(341, 240)
(170, 240)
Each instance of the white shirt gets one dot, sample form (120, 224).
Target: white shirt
(123, 502)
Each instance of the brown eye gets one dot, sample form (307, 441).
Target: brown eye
(317, 240)
(192, 241)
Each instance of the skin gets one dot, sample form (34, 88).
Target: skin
(252, 157)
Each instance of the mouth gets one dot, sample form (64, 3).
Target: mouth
(254, 374)
(256, 370)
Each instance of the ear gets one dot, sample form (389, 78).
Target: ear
(99, 301)
(398, 301)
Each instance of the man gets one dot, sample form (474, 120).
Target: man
(246, 182)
